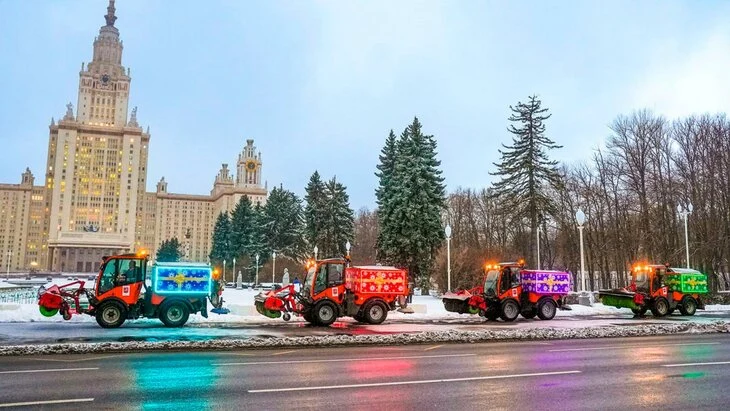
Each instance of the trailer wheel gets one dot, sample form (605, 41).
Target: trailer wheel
(689, 306)
(510, 310)
(325, 313)
(660, 308)
(111, 314)
(529, 313)
(375, 312)
(546, 309)
(174, 314)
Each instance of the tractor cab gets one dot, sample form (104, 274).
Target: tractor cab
(122, 276)
(323, 276)
(501, 278)
(648, 279)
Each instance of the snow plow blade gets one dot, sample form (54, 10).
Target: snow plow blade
(618, 298)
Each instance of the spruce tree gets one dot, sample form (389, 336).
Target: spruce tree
(339, 220)
(221, 248)
(314, 211)
(412, 230)
(284, 223)
(242, 229)
(169, 251)
(385, 191)
(527, 173)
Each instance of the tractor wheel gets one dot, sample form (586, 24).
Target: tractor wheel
(529, 313)
(510, 310)
(111, 314)
(660, 308)
(492, 314)
(671, 311)
(375, 312)
(174, 314)
(546, 309)
(286, 317)
(324, 313)
(639, 311)
(688, 306)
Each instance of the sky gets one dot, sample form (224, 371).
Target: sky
(319, 84)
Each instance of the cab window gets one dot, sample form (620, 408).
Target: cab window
(108, 277)
(329, 275)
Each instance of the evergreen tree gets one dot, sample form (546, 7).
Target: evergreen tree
(412, 201)
(384, 192)
(242, 229)
(527, 173)
(283, 223)
(169, 251)
(339, 220)
(221, 248)
(314, 211)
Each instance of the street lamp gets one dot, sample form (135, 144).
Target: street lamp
(273, 269)
(580, 218)
(684, 213)
(257, 270)
(538, 247)
(224, 271)
(316, 250)
(347, 248)
(233, 272)
(447, 231)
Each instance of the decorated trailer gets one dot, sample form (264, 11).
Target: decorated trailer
(660, 289)
(123, 290)
(333, 288)
(510, 290)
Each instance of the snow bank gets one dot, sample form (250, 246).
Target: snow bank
(451, 336)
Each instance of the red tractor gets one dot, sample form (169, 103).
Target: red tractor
(123, 290)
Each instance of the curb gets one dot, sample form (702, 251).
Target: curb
(392, 339)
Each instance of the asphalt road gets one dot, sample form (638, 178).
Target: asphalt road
(671, 372)
(153, 330)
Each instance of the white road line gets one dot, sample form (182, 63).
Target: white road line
(26, 404)
(77, 360)
(434, 347)
(284, 352)
(691, 364)
(384, 384)
(611, 347)
(345, 359)
(49, 370)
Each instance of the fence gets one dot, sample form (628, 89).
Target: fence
(18, 295)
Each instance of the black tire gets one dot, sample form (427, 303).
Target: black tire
(324, 313)
(529, 313)
(660, 308)
(375, 312)
(638, 311)
(111, 314)
(510, 310)
(174, 313)
(689, 306)
(546, 309)
(308, 317)
(671, 311)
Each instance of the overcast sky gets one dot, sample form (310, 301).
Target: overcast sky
(318, 84)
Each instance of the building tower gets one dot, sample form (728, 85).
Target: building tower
(249, 167)
(97, 162)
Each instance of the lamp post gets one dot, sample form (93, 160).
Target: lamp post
(273, 268)
(224, 271)
(584, 299)
(316, 250)
(257, 270)
(347, 248)
(685, 213)
(233, 272)
(538, 247)
(447, 231)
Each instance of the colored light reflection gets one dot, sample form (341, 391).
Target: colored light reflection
(380, 369)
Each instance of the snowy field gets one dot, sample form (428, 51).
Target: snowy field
(241, 304)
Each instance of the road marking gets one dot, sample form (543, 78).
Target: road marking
(433, 348)
(284, 352)
(78, 360)
(610, 347)
(384, 384)
(345, 359)
(25, 404)
(49, 370)
(690, 364)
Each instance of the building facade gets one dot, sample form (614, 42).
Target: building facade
(94, 201)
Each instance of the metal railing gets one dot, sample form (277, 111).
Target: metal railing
(19, 295)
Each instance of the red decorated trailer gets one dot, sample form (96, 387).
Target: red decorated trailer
(332, 289)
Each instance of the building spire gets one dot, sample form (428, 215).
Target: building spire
(110, 17)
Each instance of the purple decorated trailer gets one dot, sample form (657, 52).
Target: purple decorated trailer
(546, 282)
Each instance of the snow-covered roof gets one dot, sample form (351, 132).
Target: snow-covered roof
(684, 271)
(376, 267)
